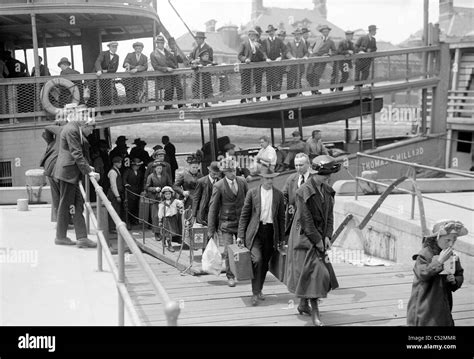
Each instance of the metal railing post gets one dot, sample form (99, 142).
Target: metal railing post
(413, 196)
(125, 206)
(88, 200)
(172, 311)
(99, 230)
(121, 272)
(357, 177)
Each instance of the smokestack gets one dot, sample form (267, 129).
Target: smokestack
(446, 13)
(320, 5)
(257, 8)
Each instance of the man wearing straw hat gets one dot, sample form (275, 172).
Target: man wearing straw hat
(365, 44)
(262, 228)
(70, 166)
(135, 62)
(275, 50)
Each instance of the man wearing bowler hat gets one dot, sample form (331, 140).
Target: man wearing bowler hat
(202, 194)
(227, 199)
(346, 47)
(135, 62)
(365, 44)
(107, 62)
(251, 51)
(296, 49)
(275, 50)
(201, 45)
(262, 228)
(65, 67)
(325, 46)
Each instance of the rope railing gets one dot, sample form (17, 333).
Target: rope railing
(171, 308)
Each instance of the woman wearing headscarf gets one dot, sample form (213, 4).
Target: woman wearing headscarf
(309, 274)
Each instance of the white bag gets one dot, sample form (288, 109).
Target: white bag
(212, 259)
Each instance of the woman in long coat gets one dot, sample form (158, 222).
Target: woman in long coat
(154, 184)
(309, 274)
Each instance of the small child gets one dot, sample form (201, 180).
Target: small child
(438, 273)
(169, 216)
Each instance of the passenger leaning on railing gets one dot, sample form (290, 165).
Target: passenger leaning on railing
(107, 62)
(325, 46)
(135, 62)
(366, 43)
(275, 50)
(347, 48)
(251, 51)
(296, 49)
(166, 62)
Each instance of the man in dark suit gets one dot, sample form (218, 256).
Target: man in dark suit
(203, 192)
(70, 166)
(166, 62)
(133, 183)
(107, 62)
(187, 181)
(201, 45)
(292, 184)
(296, 49)
(324, 47)
(227, 199)
(170, 156)
(364, 44)
(251, 51)
(261, 228)
(275, 50)
(135, 62)
(345, 47)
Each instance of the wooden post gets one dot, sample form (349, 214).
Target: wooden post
(439, 101)
(211, 139)
(300, 122)
(99, 229)
(45, 54)
(424, 92)
(121, 274)
(71, 46)
(203, 138)
(35, 43)
(282, 127)
(372, 109)
(272, 133)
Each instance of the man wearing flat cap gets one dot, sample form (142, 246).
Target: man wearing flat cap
(64, 93)
(365, 44)
(262, 228)
(324, 46)
(251, 51)
(347, 48)
(166, 62)
(107, 62)
(296, 49)
(275, 50)
(135, 62)
(201, 45)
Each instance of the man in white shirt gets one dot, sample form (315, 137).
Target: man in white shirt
(267, 155)
(293, 183)
(261, 228)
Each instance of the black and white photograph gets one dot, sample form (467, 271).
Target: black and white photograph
(223, 166)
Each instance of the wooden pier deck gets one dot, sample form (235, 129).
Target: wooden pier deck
(368, 296)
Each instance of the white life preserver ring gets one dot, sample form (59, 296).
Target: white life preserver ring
(48, 86)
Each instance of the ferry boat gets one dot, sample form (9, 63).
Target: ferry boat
(30, 103)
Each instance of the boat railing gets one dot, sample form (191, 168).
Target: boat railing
(461, 104)
(170, 307)
(141, 3)
(43, 97)
(414, 169)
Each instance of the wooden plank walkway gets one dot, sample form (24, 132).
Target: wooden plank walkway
(368, 296)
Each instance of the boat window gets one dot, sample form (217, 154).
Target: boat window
(464, 142)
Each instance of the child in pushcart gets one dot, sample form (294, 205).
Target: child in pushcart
(438, 273)
(169, 217)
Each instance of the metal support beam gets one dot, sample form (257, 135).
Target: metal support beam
(211, 139)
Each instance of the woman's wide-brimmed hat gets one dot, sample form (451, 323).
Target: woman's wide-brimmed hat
(159, 152)
(325, 165)
(444, 227)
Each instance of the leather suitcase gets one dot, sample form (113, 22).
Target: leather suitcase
(277, 265)
(240, 262)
